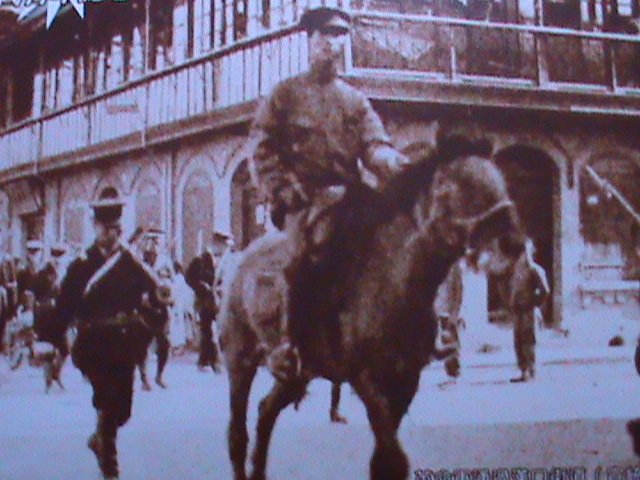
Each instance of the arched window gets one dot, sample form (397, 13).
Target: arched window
(148, 205)
(73, 224)
(197, 213)
(607, 228)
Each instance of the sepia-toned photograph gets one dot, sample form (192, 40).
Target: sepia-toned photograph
(320, 239)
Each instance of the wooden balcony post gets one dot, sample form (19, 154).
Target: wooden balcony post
(89, 110)
(542, 65)
(453, 55)
(610, 68)
(40, 148)
(147, 38)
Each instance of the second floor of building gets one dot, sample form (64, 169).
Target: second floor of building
(149, 70)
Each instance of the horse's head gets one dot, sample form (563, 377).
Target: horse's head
(469, 212)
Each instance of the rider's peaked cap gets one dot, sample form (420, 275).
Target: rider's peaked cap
(325, 18)
(34, 245)
(108, 208)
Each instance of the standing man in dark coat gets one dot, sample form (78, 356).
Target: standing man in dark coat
(529, 290)
(312, 135)
(109, 291)
(29, 278)
(201, 277)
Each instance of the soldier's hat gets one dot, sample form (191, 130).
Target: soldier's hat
(326, 18)
(223, 237)
(154, 232)
(151, 238)
(34, 245)
(108, 208)
(58, 249)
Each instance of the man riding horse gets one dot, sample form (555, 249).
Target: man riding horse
(311, 135)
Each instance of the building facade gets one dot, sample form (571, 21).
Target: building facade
(156, 97)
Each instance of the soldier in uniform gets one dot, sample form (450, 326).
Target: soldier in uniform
(29, 277)
(310, 136)
(529, 289)
(201, 277)
(8, 280)
(110, 292)
(59, 261)
(151, 257)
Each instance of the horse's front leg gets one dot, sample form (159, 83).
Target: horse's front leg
(281, 395)
(240, 380)
(388, 461)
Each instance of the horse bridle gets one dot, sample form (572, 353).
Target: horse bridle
(472, 222)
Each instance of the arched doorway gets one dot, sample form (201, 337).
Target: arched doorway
(247, 216)
(533, 182)
(197, 213)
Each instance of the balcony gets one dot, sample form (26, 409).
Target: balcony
(392, 56)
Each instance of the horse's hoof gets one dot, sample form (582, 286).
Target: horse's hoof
(146, 387)
(161, 383)
(337, 418)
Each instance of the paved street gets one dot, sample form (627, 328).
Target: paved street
(572, 415)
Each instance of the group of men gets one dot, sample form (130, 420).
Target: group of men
(314, 136)
(28, 291)
(119, 300)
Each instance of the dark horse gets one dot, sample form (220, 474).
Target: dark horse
(366, 312)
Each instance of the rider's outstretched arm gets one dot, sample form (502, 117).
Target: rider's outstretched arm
(378, 154)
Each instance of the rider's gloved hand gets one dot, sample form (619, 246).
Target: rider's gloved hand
(386, 162)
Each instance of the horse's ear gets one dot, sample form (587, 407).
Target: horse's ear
(452, 147)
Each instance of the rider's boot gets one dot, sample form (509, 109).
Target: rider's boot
(284, 361)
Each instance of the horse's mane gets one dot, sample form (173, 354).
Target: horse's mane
(362, 210)
(403, 190)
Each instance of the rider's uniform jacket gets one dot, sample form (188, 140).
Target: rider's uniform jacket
(311, 134)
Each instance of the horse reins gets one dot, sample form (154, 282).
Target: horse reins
(472, 221)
